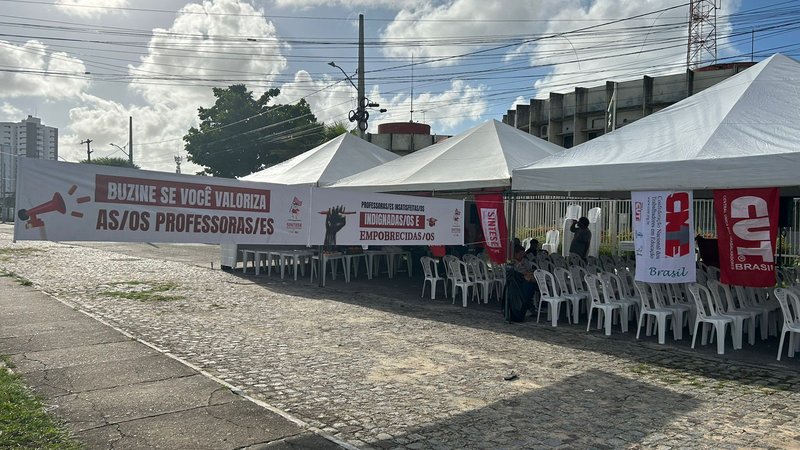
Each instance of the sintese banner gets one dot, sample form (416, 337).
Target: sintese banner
(341, 217)
(747, 227)
(83, 202)
(663, 236)
(491, 210)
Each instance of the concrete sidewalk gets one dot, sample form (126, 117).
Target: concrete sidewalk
(114, 391)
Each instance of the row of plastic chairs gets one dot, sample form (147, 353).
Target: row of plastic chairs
(484, 279)
(611, 294)
(606, 263)
(717, 306)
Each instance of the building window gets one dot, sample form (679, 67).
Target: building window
(568, 140)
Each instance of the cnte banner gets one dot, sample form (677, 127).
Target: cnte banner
(663, 236)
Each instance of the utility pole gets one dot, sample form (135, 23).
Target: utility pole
(362, 98)
(88, 150)
(178, 160)
(130, 139)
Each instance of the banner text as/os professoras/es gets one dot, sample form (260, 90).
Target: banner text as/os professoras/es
(83, 202)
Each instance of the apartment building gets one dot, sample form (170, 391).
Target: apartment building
(27, 138)
(571, 118)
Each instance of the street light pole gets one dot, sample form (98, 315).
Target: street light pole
(362, 98)
(129, 153)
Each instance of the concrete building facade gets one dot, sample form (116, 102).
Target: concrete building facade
(27, 138)
(569, 119)
(403, 138)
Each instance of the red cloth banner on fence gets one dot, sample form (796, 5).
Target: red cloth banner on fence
(747, 226)
(491, 210)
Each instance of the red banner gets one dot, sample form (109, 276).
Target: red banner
(491, 210)
(747, 226)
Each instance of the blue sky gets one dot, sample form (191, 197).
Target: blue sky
(85, 69)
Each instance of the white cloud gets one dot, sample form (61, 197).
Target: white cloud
(10, 113)
(652, 45)
(106, 121)
(198, 49)
(444, 111)
(352, 4)
(37, 72)
(329, 101)
(89, 8)
(466, 24)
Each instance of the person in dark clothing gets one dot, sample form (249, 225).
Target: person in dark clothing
(522, 265)
(582, 237)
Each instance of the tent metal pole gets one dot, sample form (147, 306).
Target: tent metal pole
(512, 196)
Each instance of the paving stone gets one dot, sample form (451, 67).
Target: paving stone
(378, 367)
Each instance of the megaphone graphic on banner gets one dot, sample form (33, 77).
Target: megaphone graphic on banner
(31, 215)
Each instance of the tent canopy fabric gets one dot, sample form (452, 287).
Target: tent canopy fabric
(326, 163)
(742, 132)
(482, 157)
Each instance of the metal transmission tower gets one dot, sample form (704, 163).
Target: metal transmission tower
(702, 47)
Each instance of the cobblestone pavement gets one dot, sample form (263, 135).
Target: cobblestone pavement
(383, 370)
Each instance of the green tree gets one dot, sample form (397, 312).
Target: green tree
(240, 135)
(111, 161)
(335, 130)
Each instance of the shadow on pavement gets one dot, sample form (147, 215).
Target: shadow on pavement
(401, 295)
(575, 412)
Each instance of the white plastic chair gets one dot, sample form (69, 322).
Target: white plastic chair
(548, 293)
(575, 260)
(557, 260)
(597, 301)
(614, 294)
(526, 243)
(608, 264)
(573, 213)
(578, 275)
(726, 305)
(461, 279)
(790, 305)
(592, 269)
(566, 285)
(498, 273)
(448, 271)
(551, 241)
(431, 270)
(707, 314)
(480, 276)
(595, 226)
(712, 273)
(648, 307)
(662, 295)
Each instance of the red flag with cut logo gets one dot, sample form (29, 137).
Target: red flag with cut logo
(491, 210)
(747, 227)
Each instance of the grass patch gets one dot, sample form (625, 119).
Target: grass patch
(23, 421)
(143, 291)
(7, 253)
(18, 278)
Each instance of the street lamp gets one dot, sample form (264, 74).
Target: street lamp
(122, 149)
(360, 115)
(347, 77)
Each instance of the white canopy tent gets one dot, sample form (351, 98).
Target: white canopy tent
(326, 163)
(482, 157)
(742, 132)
